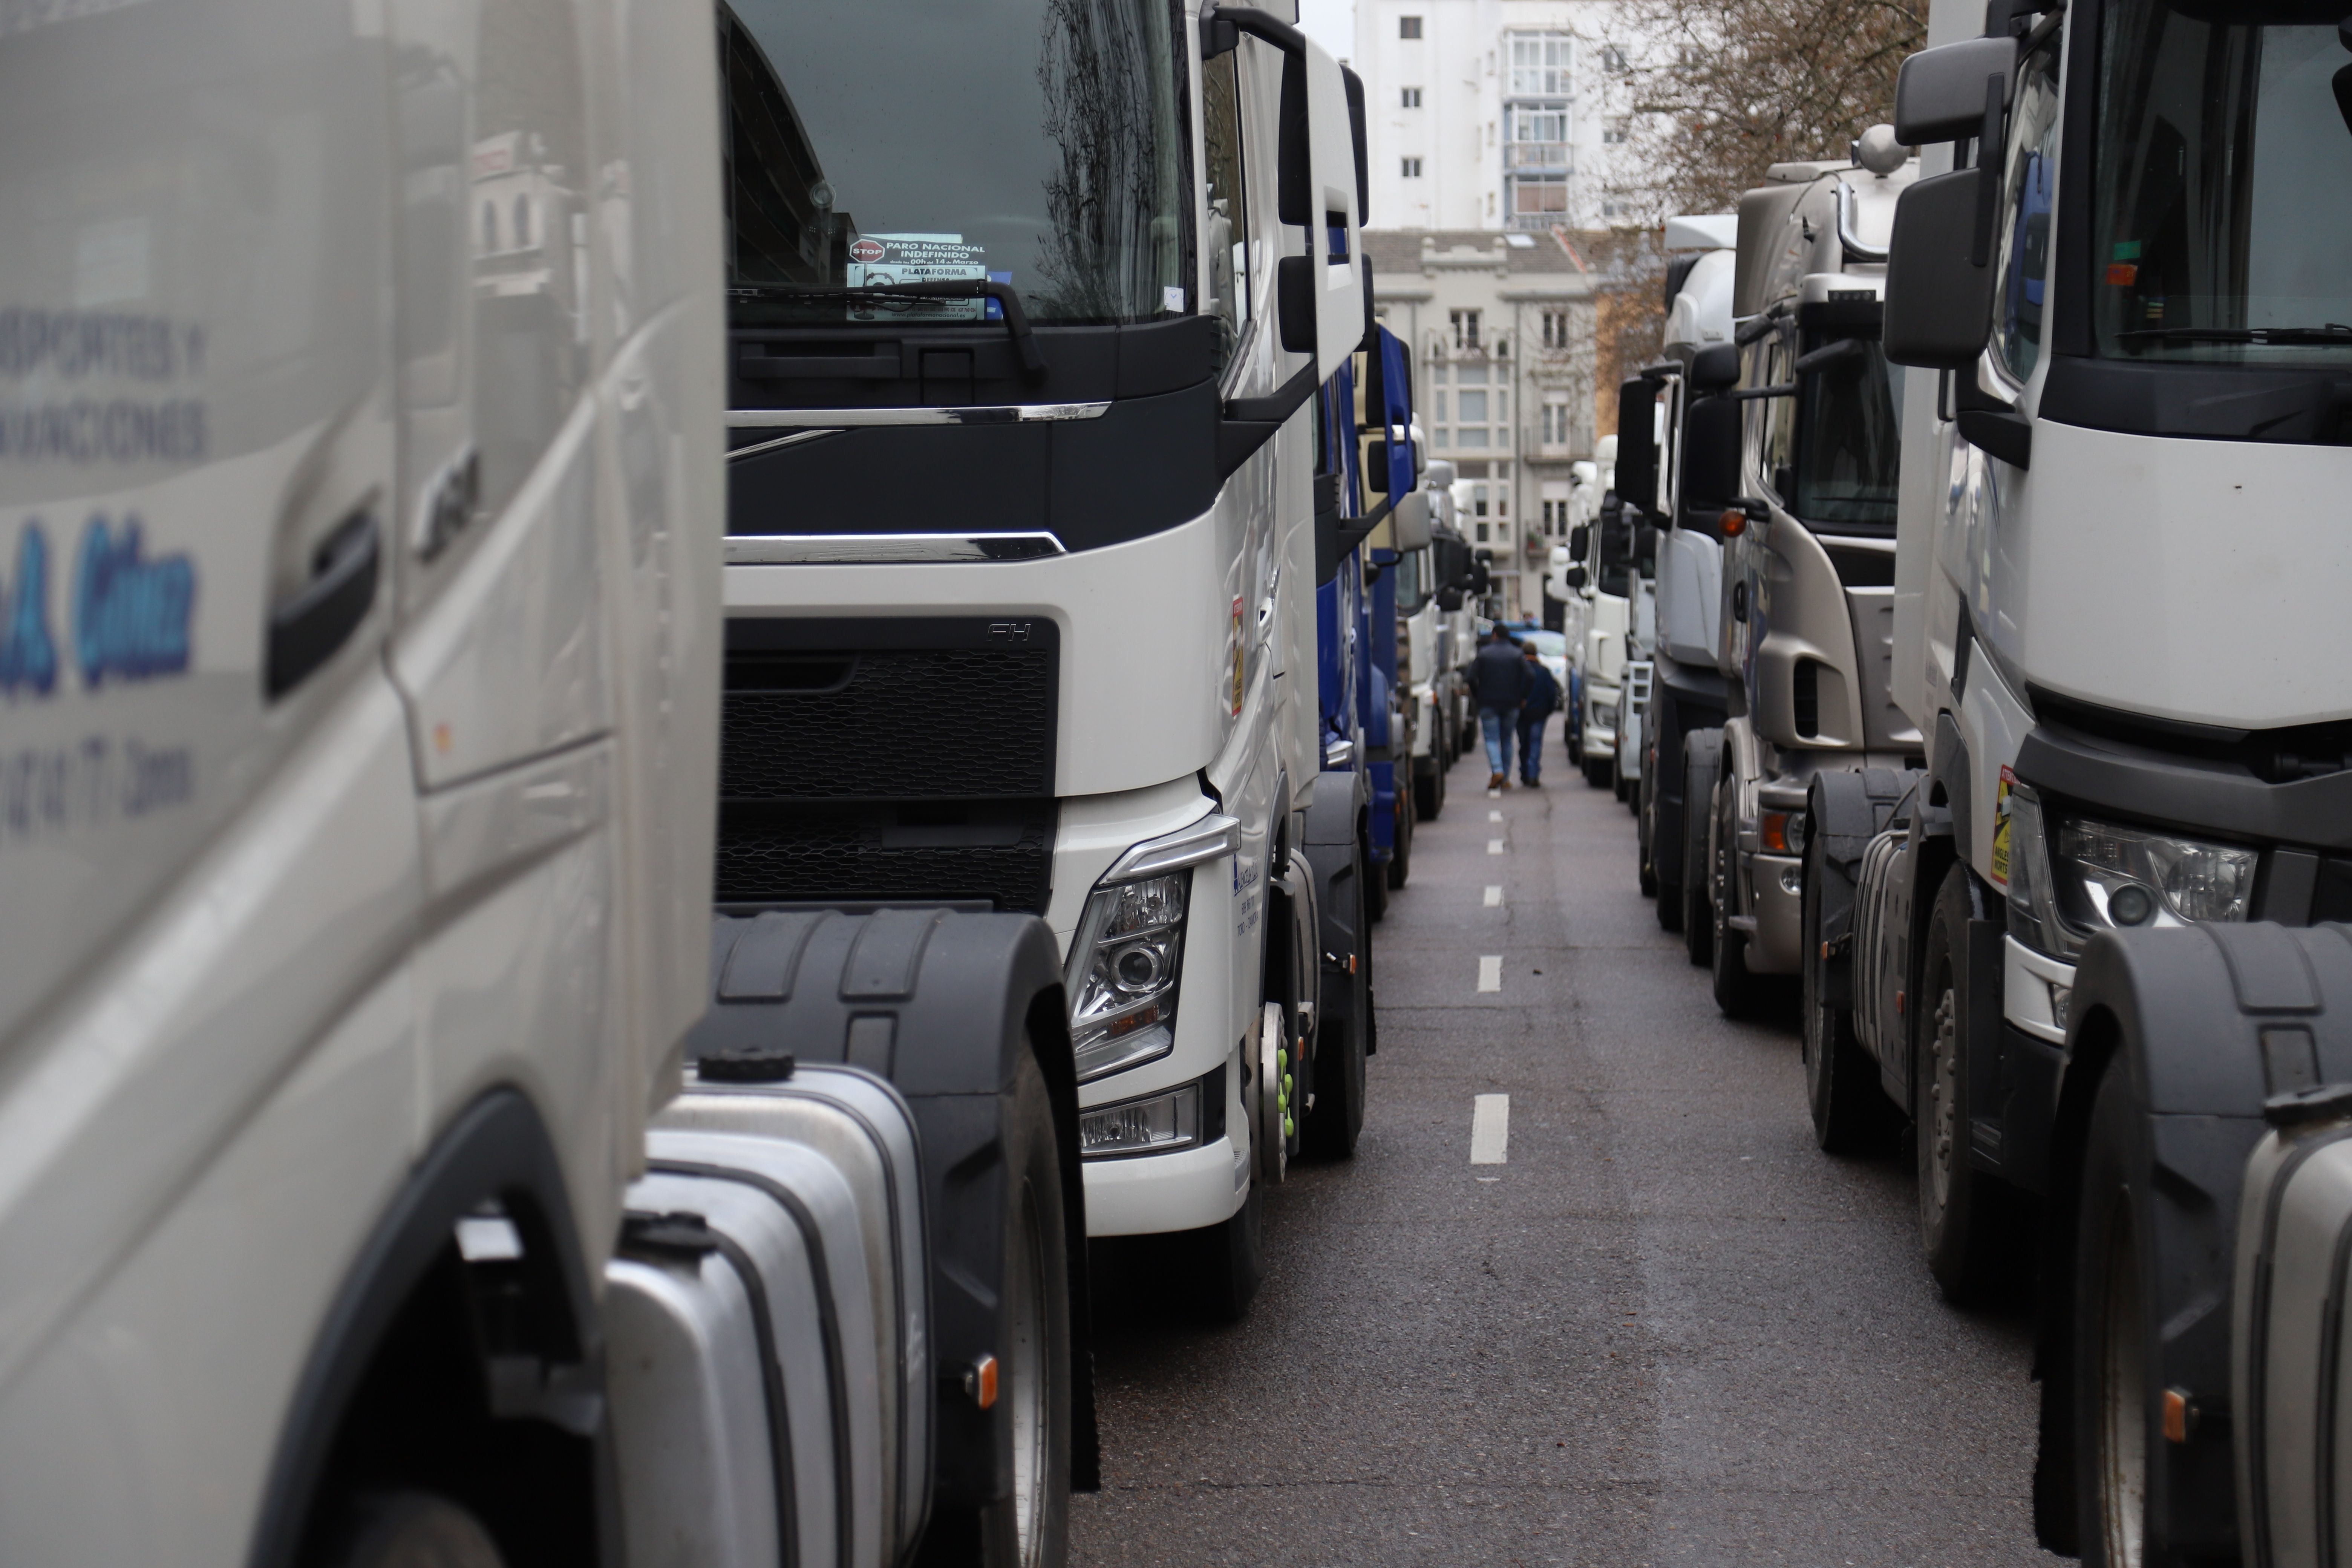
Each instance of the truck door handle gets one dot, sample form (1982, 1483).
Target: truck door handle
(307, 625)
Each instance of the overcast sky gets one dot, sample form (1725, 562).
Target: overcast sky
(1330, 23)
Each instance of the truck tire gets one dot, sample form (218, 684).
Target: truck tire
(1336, 1116)
(412, 1529)
(1032, 1527)
(1401, 855)
(2116, 1406)
(1617, 782)
(1967, 1225)
(1850, 1112)
(1600, 771)
(1644, 867)
(1702, 751)
(1738, 993)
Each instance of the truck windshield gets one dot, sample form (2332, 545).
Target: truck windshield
(879, 143)
(1849, 440)
(2223, 188)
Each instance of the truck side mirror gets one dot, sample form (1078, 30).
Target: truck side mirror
(1449, 599)
(1576, 578)
(1938, 290)
(1637, 448)
(1711, 437)
(1579, 541)
(1409, 521)
(1320, 296)
(1714, 369)
(1939, 281)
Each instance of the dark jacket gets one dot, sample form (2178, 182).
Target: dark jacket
(1543, 692)
(1498, 676)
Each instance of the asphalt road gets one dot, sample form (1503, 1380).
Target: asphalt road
(1666, 1329)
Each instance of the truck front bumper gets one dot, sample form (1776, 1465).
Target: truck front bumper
(1151, 1195)
(1775, 893)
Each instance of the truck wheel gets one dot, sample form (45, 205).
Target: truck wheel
(1841, 1081)
(1701, 751)
(1401, 857)
(1644, 819)
(1375, 879)
(1428, 788)
(2112, 1403)
(412, 1530)
(1736, 990)
(1617, 775)
(1338, 1117)
(1961, 1210)
(1032, 1527)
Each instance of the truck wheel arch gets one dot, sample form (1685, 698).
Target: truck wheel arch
(497, 1150)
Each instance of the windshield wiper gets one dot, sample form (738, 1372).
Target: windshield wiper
(1016, 319)
(2333, 332)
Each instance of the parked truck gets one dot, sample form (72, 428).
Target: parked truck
(1804, 636)
(1696, 469)
(2123, 420)
(1026, 506)
(1438, 639)
(364, 488)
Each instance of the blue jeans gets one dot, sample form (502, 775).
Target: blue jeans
(1497, 724)
(1531, 728)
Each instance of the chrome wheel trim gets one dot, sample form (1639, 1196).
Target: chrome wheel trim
(1943, 1093)
(1273, 1148)
(2123, 1400)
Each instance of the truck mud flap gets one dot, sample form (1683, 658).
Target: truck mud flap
(940, 1004)
(1331, 849)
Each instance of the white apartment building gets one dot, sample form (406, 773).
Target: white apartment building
(1512, 114)
(1501, 332)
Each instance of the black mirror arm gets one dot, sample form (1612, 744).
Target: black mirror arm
(1226, 20)
(1828, 355)
(1250, 423)
(1750, 394)
(1989, 172)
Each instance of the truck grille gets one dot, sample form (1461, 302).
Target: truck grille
(888, 759)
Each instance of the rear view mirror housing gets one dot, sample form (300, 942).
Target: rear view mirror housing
(1714, 369)
(1576, 578)
(1711, 450)
(1637, 448)
(1939, 95)
(1409, 521)
(1938, 297)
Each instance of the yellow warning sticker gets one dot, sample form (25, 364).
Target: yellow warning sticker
(2001, 828)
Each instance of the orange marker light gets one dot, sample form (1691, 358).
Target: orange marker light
(1773, 832)
(2177, 1417)
(2123, 274)
(1733, 521)
(982, 1383)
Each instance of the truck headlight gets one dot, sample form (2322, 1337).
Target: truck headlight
(2105, 877)
(1122, 974)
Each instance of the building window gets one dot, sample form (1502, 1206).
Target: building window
(1555, 329)
(1411, 98)
(1474, 406)
(1482, 527)
(1408, 27)
(1614, 133)
(1541, 198)
(1478, 506)
(1538, 122)
(1540, 65)
(1411, 168)
(1465, 331)
(1555, 422)
(1613, 59)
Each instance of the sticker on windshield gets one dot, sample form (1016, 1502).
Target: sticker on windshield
(896, 260)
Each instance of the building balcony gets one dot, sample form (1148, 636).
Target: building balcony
(1545, 157)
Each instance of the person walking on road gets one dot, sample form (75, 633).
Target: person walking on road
(1499, 683)
(1543, 700)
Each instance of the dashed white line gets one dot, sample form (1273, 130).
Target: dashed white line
(1495, 895)
(1490, 972)
(1490, 1130)
(1494, 816)
(1494, 847)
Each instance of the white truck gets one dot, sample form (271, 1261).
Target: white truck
(1695, 467)
(361, 468)
(1597, 580)
(2126, 422)
(1434, 637)
(1808, 557)
(1028, 504)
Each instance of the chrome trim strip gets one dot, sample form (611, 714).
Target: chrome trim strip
(885, 549)
(1002, 414)
(1338, 755)
(1847, 241)
(1213, 837)
(757, 447)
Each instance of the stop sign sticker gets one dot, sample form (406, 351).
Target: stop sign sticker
(867, 250)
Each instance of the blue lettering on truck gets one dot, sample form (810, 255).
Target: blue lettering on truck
(130, 616)
(28, 654)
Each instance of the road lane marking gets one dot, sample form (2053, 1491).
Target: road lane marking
(1490, 1130)
(1494, 816)
(1490, 972)
(1494, 847)
(1495, 895)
